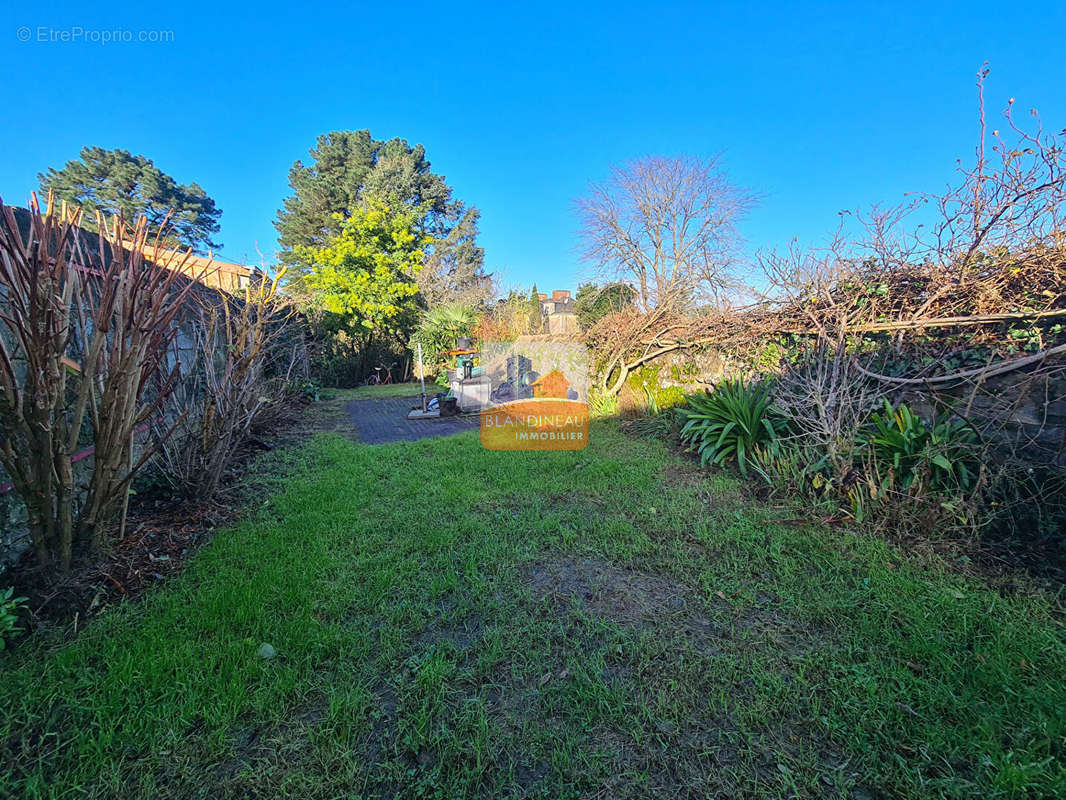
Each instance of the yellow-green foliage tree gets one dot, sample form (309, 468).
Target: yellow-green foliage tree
(362, 282)
(366, 273)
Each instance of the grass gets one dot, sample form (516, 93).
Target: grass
(453, 622)
(409, 389)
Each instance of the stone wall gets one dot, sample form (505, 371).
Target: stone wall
(1020, 411)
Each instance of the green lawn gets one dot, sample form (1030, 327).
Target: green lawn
(388, 390)
(451, 622)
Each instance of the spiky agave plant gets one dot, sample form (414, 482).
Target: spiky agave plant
(735, 422)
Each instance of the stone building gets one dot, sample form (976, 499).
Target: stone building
(560, 312)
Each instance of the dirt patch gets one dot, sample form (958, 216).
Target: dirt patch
(704, 752)
(682, 473)
(647, 601)
(624, 596)
(629, 597)
(459, 636)
(326, 415)
(163, 535)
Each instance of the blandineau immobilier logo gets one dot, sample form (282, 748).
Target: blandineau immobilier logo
(540, 397)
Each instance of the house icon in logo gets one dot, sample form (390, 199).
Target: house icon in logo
(552, 385)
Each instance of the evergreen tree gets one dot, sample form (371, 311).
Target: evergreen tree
(349, 167)
(116, 181)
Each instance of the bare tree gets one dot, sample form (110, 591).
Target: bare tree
(668, 225)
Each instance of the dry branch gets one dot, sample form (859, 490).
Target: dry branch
(981, 373)
(241, 367)
(88, 331)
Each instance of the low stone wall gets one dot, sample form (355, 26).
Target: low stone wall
(1021, 411)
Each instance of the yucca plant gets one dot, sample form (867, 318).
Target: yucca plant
(735, 422)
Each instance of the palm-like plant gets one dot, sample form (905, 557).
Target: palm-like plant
(439, 328)
(735, 422)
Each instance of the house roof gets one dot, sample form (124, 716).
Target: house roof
(204, 269)
(553, 384)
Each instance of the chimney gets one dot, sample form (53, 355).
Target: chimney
(561, 294)
(542, 296)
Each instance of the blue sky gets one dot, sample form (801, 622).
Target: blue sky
(819, 107)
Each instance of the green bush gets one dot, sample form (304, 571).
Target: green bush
(9, 615)
(736, 422)
(437, 331)
(907, 450)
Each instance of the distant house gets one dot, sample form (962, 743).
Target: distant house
(560, 302)
(205, 270)
(560, 311)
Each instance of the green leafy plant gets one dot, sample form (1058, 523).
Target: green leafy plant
(736, 422)
(907, 450)
(954, 441)
(769, 357)
(437, 331)
(365, 274)
(653, 403)
(9, 614)
(602, 405)
(308, 388)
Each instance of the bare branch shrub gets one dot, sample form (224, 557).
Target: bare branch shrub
(826, 401)
(86, 340)
(242, 362)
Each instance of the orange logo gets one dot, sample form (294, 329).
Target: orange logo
(538, 396)
(540, 423)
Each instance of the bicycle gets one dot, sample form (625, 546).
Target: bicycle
(376, 379)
